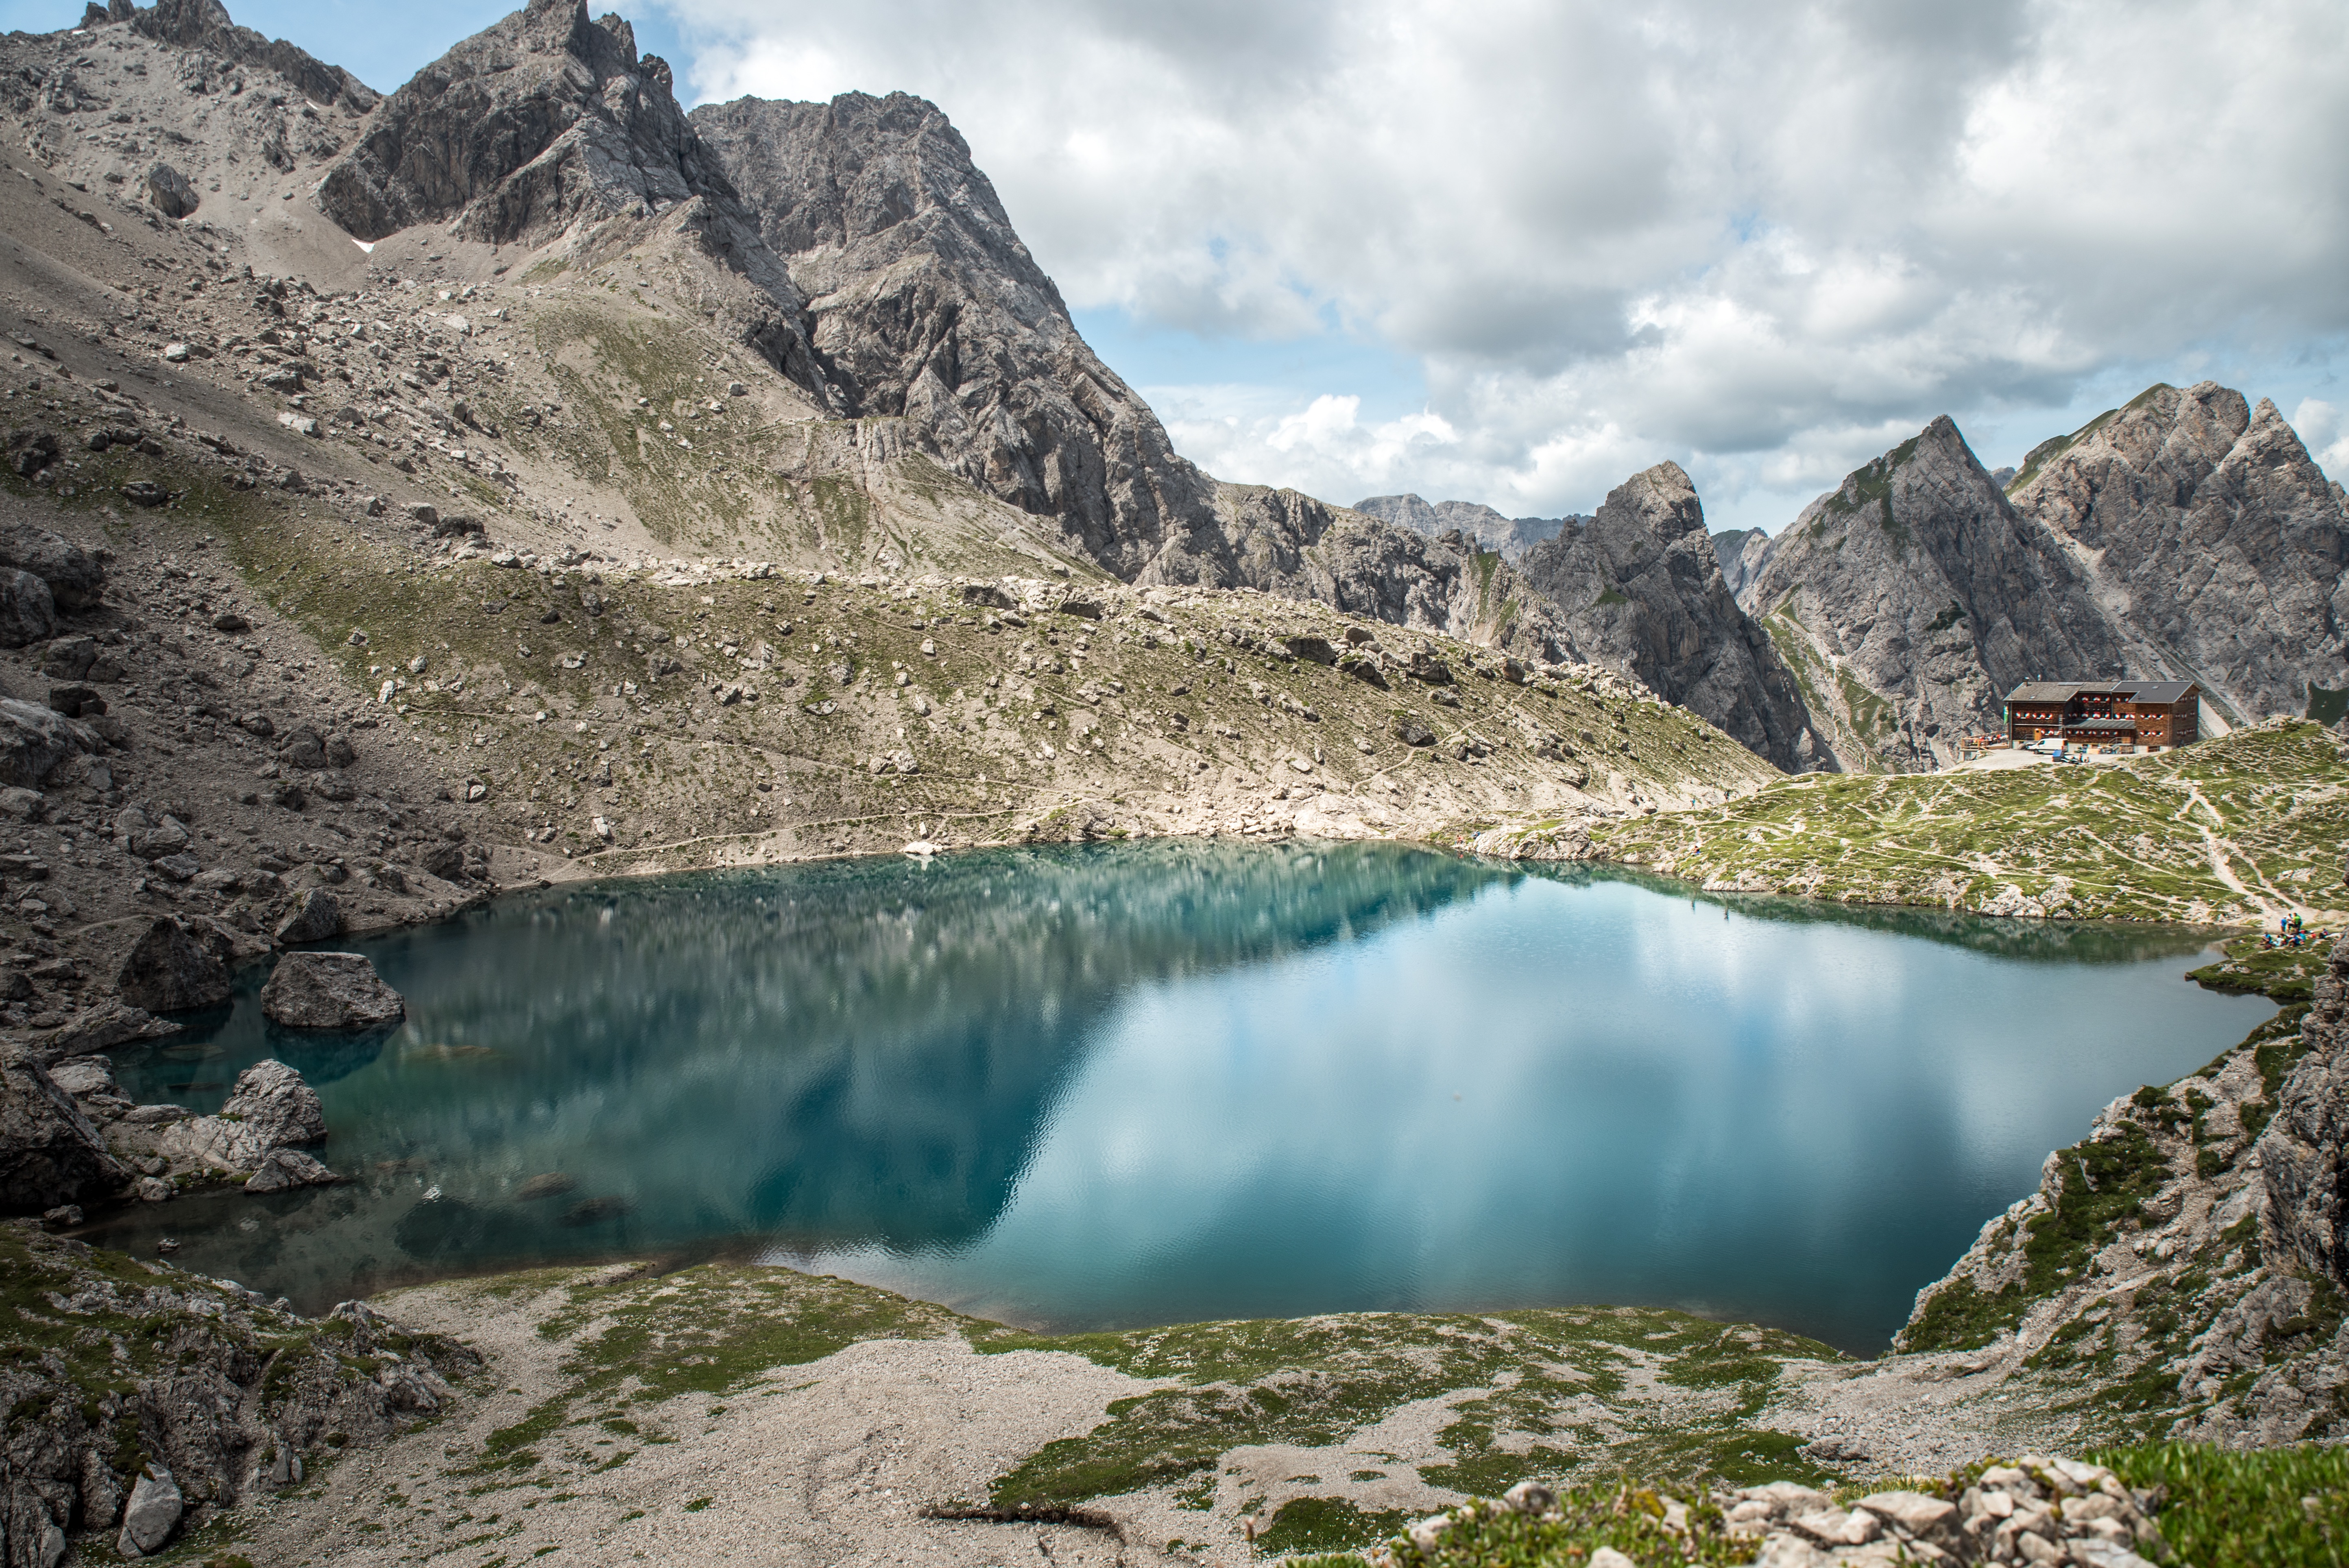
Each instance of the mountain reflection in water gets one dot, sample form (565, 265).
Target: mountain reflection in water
(1117, 1085)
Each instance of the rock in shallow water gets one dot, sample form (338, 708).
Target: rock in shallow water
(281, 1169)
(275, 1106)
(330, 991)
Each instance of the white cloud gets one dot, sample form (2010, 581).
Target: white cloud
(1760, 238)
(2324, 433)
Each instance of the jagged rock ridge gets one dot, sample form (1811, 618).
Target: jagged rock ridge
(1640, 588)
(546, 120)
(1512, 536)
(2216, 544)
(205, 26)
(1912, 598)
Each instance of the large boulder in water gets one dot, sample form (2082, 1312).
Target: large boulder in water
(330, 991)
(275, 1106)
(49, 1152)
(171, 971)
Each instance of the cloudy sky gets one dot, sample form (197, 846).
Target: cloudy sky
(1512, 253)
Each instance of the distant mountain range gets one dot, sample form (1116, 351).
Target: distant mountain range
(2186, 535)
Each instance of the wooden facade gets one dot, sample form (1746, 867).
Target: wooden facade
(2100, 713)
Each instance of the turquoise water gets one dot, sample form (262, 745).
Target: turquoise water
(1119, 1086)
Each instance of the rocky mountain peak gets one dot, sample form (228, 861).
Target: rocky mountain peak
(1640, 587)
(2217, 543)
(1512, 536)
(1912, 597)
(538, 121)
(205, 24)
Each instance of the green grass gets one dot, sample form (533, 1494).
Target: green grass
(1310, 1524)
(2125, 842)
(1311, 1381)
(1627, 1517)
(2277, 1507)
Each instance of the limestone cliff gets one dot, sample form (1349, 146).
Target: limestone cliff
(1912, 597)
(926, 305)
(205, 26)
(1741, 551)
(543, 122)
(2215, 543)
(1512, 536)
(1640, 589)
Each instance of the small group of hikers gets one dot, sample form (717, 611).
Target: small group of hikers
(2291, 932)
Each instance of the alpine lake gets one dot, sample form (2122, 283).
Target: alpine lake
(1118, 1085)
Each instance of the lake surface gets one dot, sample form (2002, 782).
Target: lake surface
(1121, 1086)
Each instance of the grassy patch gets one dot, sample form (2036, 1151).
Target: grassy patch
(2280, 1508)
(2132, 841)
(1325, 1524)
(1507, 1377)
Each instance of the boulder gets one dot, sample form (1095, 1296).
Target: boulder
(330, 991)
(141, 833)
(50, 1153)
(152, 1514)
(315, 918)
(27, 614)
(169, 971)
(75, 581)
(27, 452)
(273, 1104)
(35, 739)
(102, 1029)
(281, 1169)
(304, 748)
(170, 192)
(77, 701)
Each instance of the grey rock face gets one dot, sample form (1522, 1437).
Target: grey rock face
(27, 615)
(152, 1514)
(34, 739)
(227, 1382)
(2216, 544)
(928, 307)
(1640, 589)
(1740, 552)
(102, 1027)
(330, 991)
(204, 24)
(2304, 1152)
(317, 917)
(1288, 544)
(283, 1169)
(1512, 536)
(49, 1152)
(172, 193)
(169, 971)
(276, 1105)
(75, 581)
(1915, 579)
(545, 120)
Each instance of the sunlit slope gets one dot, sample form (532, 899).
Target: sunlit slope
(2229, 831)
